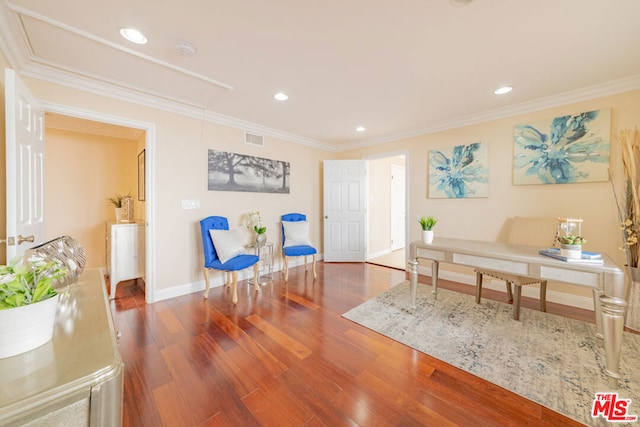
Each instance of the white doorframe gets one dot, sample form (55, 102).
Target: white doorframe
(397, 210)
(405, 154)
(150, 147)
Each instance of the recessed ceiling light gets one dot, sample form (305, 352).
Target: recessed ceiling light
(133, 35)
(502, 90)
(361, 129)
(281, 96)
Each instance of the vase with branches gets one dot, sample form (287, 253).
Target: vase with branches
(628, 205)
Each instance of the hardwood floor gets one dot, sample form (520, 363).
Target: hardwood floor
(284, 356)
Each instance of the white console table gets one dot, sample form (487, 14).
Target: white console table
(75, 379)
(607, 280)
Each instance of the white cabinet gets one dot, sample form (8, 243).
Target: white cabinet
(125, 252)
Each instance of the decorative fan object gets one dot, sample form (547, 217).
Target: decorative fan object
(67, 250)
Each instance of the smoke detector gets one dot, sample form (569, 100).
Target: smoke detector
(460, 3)
(186, 49)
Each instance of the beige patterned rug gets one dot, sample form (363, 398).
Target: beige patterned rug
(553, 360)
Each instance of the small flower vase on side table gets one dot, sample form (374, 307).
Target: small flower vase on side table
(427, 236)
(118, 214)
(261, 239)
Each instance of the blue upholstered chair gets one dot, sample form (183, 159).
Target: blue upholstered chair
(229, 246)
(295, 241)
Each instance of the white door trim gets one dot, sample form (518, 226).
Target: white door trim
(150, 147)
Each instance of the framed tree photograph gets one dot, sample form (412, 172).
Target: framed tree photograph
(239, 172)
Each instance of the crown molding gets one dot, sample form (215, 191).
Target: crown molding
(596, 91)
(52, 74)
(17, 11)
(20, 57)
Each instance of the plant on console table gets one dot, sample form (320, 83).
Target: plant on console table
(571, 246)
(427, 224)
(116, 201)
(253, 222)
(28, 302)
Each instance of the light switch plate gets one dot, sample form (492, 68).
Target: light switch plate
(191, 204)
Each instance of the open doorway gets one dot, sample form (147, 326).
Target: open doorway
(88, 162)
(387, 207)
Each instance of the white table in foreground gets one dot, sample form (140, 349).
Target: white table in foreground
(77, 377)
(606, 280)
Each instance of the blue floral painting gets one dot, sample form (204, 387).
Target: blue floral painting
(563, 150)
(459, 172)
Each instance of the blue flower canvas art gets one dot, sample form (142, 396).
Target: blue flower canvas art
(563, 150)
(459, 172)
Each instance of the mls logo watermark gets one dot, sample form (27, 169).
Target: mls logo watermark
(612, 408)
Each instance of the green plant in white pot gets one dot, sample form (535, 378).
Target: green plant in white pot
(116, 201)
(427, 224)
(571, 246)
(28, 302)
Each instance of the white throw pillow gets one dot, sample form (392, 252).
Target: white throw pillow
(296, 233)
(227, 244)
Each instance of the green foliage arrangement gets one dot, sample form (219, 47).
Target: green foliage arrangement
(27, 280)
(570, 239)
(427, 223)
(117, 199)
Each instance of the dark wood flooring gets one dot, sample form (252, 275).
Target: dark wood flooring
(284, 356)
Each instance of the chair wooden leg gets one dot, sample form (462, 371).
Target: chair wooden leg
(227, 278)
(206, 282)
(509, 293)
(478, 286)
(234, 298)
(315, 275)
(543, 296)
(286, 268)
(516, 302)
(305, 263)
(255, 277)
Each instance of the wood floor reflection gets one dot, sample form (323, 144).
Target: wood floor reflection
(284, 356)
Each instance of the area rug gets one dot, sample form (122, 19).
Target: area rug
(553, 360)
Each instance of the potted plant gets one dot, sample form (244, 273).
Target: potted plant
(571, 246)
(427, 224)
(28, 302)
(253, 222)
(117, 201)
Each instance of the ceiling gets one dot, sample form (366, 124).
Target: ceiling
(398, 68)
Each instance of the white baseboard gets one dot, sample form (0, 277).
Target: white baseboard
(527, 291)
(216, 279)
(379, 253)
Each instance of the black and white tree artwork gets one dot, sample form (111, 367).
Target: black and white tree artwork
(239, 172)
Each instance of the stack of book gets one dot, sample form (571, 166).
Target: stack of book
(587, 257)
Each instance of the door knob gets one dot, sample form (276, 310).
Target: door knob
(326, 217)
(21, 239)
(2, 240)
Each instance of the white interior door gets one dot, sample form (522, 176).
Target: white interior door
(398, 203)
(25, 166)
(344, 210)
